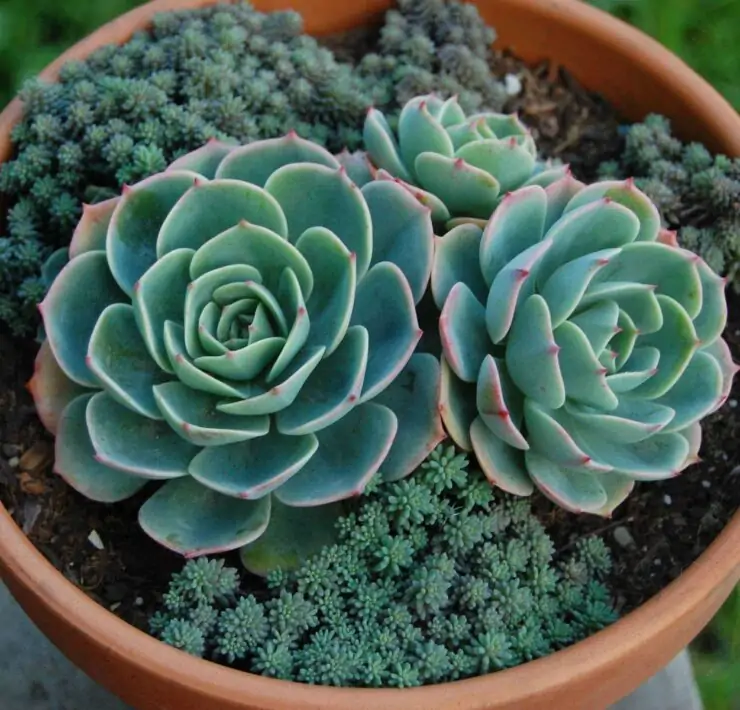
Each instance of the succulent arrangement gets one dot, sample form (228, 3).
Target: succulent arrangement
(463, 165)
(231, 318)
(581, 345)
(432, 579)
(241, 327)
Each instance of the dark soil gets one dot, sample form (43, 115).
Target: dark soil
(657, 533)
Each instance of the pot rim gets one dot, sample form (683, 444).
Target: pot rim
(124, 644)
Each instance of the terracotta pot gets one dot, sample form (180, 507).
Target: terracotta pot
(638, 76)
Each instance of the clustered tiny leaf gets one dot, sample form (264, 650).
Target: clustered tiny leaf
(581, 343)
(698, 194)
(433, 579)
(241, 327)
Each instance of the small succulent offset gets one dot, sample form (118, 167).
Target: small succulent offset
(241, 328)
(581, 344)
(460, 166)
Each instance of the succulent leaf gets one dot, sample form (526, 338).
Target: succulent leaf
(195, 417)
(205, 160)
(194, 520)
(384, 306)
(209, 208)
(624, 193)
(463, 188)
(457, 406)
(500, 405)
(511, 284)
(131, 242)
(92, 230)
(75, 459)
(457, 261)
(316, 196)
(51, 389)
(350, 452)
(81, 292)
(413, 398)
(574, 490)
(514, 227)
(402, 233)
(258, 247)
(253, 468)
(137, 445)
(462, 327)
(502, 464)
(593, 227)
(118, 357)
(294, 535)
(159, 297)
(695, 393)
(333, 297)
(256, 162)
(532, 354)
(331, 390)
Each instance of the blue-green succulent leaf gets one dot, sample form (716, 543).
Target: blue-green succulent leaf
(500, 405)
(456, 259)
(74, 459)
(457, 406)
(134, 444)
(193, 520)
(333, 296)
(402, 232)
(194, 416)
(293, 536)
(502, 464)
(81, 292)
(414, 398)
(462, 327)
(516, 225)
(255, 246)
(256, 161)
(316, 196)
(136, 221)
(253, 468)
(119, 358)
(212, 207)
(350, 453)
(384, 306)
(532, 354)
(159, 296)
(331, 390)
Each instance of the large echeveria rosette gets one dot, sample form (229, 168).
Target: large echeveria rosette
(459, 166)
(241, 328)
(581, 343)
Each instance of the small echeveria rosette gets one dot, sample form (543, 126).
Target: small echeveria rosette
(459, 166)
(581, 344)
(241, 328)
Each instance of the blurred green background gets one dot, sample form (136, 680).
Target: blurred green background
(706, 33)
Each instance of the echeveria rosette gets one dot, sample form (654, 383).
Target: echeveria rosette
(459, 166)
(581, 345)
(241, 328)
